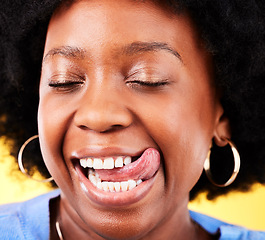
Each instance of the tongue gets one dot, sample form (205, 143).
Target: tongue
(143, 168)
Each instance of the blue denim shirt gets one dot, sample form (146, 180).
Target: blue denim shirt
(29, 220)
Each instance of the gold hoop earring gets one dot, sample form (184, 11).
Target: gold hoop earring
(20, 161)
(236, 166)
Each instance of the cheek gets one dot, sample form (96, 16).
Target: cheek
(51, 124)
(183, 131)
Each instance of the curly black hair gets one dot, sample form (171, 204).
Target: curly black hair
(233, 32)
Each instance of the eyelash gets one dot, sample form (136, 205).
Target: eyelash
(63, 84)
(149, 83)
(66, 86)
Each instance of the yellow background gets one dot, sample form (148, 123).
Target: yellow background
(245, 209)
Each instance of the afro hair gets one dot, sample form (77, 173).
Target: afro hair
(233, 32)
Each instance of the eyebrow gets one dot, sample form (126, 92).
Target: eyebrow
(66, 51)
(133, 48)
(139, 47)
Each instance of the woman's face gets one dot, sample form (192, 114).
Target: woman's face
(125, 79)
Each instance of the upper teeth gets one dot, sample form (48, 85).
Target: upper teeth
(105, 163)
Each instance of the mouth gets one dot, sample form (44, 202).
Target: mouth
(111, 174)
(118, 180)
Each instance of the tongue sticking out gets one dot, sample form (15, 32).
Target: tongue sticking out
(143, 168)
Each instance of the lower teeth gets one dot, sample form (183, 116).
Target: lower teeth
(112, 186)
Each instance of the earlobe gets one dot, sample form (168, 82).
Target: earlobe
(222, 129)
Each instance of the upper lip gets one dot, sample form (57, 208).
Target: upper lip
(101, 151)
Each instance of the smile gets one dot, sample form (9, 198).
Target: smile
(109, 163)
(118, 180)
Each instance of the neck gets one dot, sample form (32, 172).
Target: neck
(177, 225)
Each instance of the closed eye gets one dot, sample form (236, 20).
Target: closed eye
(148, 83)
(66, 82)
(66, 86)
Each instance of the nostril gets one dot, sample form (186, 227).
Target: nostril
(83, 127)
(112, 128)
(103, 130)
(117, 126)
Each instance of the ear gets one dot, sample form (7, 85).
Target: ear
(222, 127)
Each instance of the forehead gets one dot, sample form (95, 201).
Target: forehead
(105, 28)
(118, 21)
(127, 5)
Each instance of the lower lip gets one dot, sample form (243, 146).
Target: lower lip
(110, 199)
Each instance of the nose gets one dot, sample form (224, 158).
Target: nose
(102, 112)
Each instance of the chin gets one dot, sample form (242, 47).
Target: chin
(122, 230)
